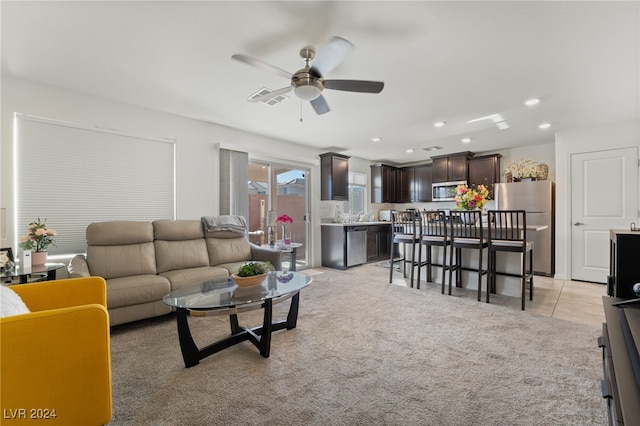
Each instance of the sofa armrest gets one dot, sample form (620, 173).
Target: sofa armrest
(55, 294)
(58, 360)
(267, 255)
(78, 267)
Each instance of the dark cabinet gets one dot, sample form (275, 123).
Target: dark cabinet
(334, 177)
(485, 170)
(378, 242)
(623, 259)
(620, 387)
(404, 185)
(422, 184)
(451, 168)
(383, 183)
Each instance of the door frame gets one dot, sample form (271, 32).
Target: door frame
(294, 165)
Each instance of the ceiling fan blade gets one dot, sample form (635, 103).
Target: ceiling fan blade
(261, 64)
(331, 55)
(362, 86)
(270, 95)
(320, 105)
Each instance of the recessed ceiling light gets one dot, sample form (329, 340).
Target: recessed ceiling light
(532, 102)
(439, 123)
(466, 140)
(409, 151)
(544, 126)
(376, 139)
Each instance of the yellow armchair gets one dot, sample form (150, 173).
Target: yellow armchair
(56, 360)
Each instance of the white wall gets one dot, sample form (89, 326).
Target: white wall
(197, 144)
(612, 136)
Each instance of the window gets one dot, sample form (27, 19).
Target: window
(357, 194)
(73, 175)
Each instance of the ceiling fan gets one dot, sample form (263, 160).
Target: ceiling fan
(308, 82)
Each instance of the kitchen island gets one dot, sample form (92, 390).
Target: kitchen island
(350, 244)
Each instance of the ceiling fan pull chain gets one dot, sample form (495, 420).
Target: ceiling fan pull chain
(301, 111)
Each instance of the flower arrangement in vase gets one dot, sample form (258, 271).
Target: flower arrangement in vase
(38, 240)
(471, 198)
(526, 169)
(284, 220)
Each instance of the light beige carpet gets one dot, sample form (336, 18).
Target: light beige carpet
(366, 353)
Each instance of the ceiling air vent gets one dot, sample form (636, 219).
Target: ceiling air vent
(272, 101)
(432, 148)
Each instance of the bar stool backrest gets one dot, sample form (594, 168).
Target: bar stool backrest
(406, 224)
(507, 225)
(466, 224)
(434, 223)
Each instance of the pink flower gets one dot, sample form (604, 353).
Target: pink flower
(284, 219)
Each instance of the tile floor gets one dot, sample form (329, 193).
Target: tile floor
(576, 301)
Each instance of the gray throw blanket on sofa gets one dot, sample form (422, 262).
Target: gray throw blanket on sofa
(230, 223)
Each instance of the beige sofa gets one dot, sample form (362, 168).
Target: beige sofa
(143, 261)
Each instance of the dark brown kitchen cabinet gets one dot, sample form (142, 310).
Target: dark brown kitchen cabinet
(422, 183)
(485, 170)
(451, 168)
(378, 242)
(334, 177)
(404, 185)
(383, 183)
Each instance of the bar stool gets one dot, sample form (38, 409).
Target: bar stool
(434, 234)
(406, 228)
(466, 233)
(508, 233)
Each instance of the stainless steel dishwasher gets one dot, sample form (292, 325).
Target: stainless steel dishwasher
(356, 245)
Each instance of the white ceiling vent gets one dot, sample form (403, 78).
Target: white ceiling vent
(269, 101)
(432, 148)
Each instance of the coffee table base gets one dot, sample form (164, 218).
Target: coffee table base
(259, 336)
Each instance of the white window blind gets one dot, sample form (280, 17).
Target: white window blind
(73, 175)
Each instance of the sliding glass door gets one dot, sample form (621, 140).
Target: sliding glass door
(282, 189)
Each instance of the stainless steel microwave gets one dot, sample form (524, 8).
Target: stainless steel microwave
(445, 191)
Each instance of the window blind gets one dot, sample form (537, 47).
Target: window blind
(73, 175)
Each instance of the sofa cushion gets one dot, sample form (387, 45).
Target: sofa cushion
(118, 233)
(186, 277)
(172, 255)
(177, 230)
(227, 250)
(121, 260)
(135, 290)
(120, 249)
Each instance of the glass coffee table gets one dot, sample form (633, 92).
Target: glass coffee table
(224, 297)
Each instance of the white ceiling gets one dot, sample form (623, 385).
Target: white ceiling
(451, 61)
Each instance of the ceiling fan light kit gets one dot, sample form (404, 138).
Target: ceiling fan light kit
(308, 82)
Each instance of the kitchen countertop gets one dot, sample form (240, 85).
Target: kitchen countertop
(356, 223)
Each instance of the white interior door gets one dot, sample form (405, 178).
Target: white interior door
(604, 196)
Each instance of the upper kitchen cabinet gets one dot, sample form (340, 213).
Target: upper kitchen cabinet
(334, 177)
(485, 170)
(383, 183)
(404, 185)
(422, 183)
(451, 168)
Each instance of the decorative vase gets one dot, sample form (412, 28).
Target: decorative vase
(285, 236)
(38, 257)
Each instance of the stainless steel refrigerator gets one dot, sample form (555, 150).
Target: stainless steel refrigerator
(537, 198)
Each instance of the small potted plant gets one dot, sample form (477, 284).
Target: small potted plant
(38, 240)
(251, 273)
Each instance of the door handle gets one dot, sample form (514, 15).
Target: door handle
(578, 224)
